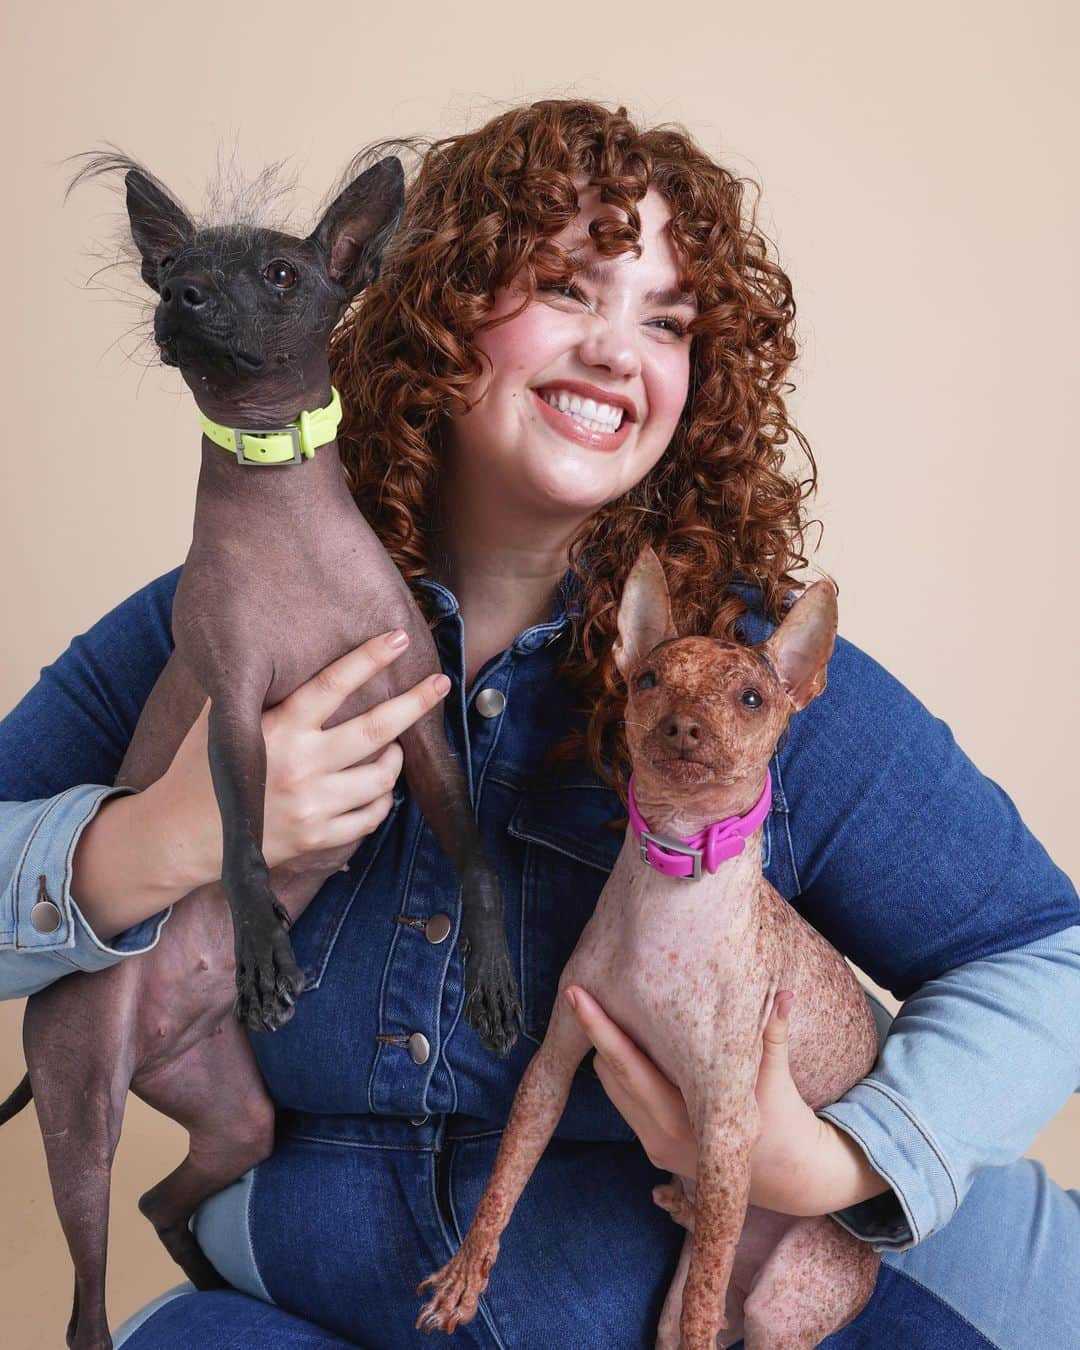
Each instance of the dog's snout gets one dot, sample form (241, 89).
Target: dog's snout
(681, 731)
(186, 292)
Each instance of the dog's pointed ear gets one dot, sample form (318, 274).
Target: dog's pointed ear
(360, 222)
(159, 225)
(800, 648)
(644, 613)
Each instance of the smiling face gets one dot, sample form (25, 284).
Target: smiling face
(586, 384)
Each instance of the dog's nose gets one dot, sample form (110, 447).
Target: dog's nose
(187, 292)
(681, 731)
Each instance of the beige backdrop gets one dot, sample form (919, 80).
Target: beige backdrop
(919, 173)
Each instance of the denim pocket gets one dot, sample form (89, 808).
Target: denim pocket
(569, 853)
(317, 929)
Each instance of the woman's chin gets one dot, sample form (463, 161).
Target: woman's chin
(560, 488)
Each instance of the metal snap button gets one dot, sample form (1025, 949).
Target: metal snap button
(419, 1048)
(419, 1120)
(437, 929)
(490, 702)
(45, 917)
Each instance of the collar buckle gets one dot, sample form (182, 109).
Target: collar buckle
(292, 431)
(672, 846)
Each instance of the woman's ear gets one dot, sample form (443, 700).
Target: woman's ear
(644, 613)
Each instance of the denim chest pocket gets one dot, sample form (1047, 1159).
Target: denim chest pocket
(569, 852)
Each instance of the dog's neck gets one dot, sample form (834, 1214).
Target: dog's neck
(650, 902)
(679, 812)
(259, 406)
(264, 402)
(723, 897)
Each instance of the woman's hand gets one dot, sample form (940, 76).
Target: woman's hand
(324, 788)
(800, 1164)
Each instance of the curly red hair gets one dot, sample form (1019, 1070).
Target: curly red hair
(481, 211)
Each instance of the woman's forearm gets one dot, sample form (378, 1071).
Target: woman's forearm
(842, 1175)
(132, 861)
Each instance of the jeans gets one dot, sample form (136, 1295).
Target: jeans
(1001, 1273)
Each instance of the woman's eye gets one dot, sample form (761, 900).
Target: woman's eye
(750, 698)
(568, 291)
(671, 325)
(281, 274)
(647, 680)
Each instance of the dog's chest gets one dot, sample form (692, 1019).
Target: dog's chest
(669, 960)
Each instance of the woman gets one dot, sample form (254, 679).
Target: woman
(560, 255)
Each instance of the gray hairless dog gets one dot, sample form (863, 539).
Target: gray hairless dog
(689, 966)
(284, 576)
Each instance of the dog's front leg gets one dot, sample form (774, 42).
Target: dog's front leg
(726, 1125)
(268, 980)
(538, 1105)
(438, 785)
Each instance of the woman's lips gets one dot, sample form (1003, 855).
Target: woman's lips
(573, 430)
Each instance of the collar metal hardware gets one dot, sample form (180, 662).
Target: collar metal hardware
(672, 846)
(293, 432)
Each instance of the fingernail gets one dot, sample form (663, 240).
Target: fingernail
(441, 683)
(783, 1008)
(398, 638)
(571, 998)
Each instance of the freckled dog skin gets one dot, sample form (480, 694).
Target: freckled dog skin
(283, 577)
(690, 969)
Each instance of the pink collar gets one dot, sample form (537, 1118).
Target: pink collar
(708, 848)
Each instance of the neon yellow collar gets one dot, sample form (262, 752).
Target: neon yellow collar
(282, 445)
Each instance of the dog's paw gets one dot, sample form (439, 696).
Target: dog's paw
(457, 1288)
(491, 1000)
(268, 980)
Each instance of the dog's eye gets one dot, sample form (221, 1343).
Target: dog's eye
(281, 274)
(648, 680)
(750, 698)
(167, 261)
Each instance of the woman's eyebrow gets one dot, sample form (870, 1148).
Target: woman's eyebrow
(598, 273)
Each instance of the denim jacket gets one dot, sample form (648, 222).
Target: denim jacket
(882, 834)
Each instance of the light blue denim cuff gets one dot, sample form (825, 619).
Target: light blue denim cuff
(906, 1155)
(42, 874)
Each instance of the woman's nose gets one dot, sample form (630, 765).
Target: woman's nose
(611, 347)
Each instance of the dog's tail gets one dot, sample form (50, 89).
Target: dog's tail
(18, 1099)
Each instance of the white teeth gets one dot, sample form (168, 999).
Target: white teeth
(595, 416)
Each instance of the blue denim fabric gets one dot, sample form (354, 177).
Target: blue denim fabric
(882, 834)
(1001, 1274)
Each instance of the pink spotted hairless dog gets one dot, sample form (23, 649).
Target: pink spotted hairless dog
(686, 951)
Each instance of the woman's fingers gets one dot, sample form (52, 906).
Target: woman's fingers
(647, 1100)
(320, 697)
(619, 1064)
(353, 741)
(622, 1056)
(358, 824)
(354, 787)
